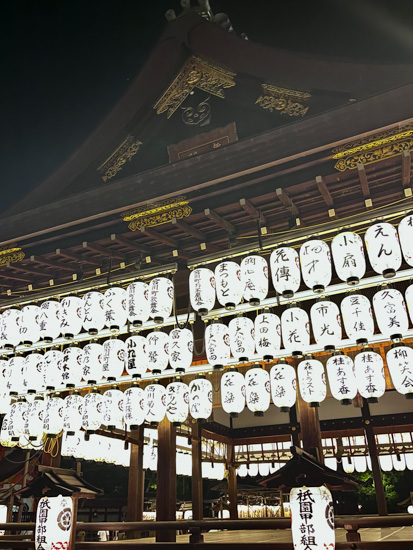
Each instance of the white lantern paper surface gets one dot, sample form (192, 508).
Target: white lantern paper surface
(17, 371)
(53, 416)
(369, 371)
(295, 330)
(114, 355)
(92, 362)
(53, 368)
(254, 279)
(137, 303)
(10, 328)
(50, 312)
(72, 366)
(285, 271)
(202, 290)
(267, 335)
(312, 518)
(93, 411)
(217, 345)
(357, 318)
(5, 400)
(257, 390)
(383, 248)
(5, 437)
(30, 325)
(114, 304)
(180, 349)
(283, 385)
(391, 313)
(400, 363)
(348, 255)
(134, 406)
(157, 344)
(35, 372)
(113, 409)
(241, 335)
(17, 418)
(326, 323)
(33, 427)
(409, 300)
(71, 316)
(233, 392)
(228, 283)
(177, 400)
(406, 238)
(155, 403)
(315, 260)
(312, 381)
(53, 523)
(161, 294)
(136, 361)
(93, 311)
(200, 398)
(72, 413)
(343, 384)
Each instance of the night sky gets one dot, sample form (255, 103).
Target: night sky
(65, 63)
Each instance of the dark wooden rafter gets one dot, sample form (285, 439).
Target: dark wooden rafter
(107, 252)
(51, 263)
(219, 220)
(80, 258)
(287, 202)
(406, 167)
(160, 237)
(325, 193)
(17, 277)
(195, 233)
(142, 248)
(22, 268)
(253, 212)
(365, 188)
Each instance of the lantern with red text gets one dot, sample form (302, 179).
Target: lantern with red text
(257, 390)
(391, 313)
(233, 392)
(53, 523)
(241, 334)
(33, 427)
(72, 369)
(180, 349)
(50, 311)
(113, 408)
(137, 303)
(315, 260)
(200, 398)
(295, 330)
(285, 271)
(348, 255)
(114, 353)
(326, 323)
(202, 290)
(177, 400)
(35, 372)
(406, 238)
(357, 318)
(283, 385)
(93, 312)
(92, 412)
(217, 345)
(400, 363)
(72, 413)
(53, 416)
(155, 403)
(10, 328)
(71, 316)
(134, 406)
(267, 334)
(136, 361)
(383, 249)
(30, 325)
(161, 295)
(228, 283)
(115, 308)
(157, 351)
(369, 371)
(92, 362)
(312, 381)
(53, 368)
(254, 279)
(340, 371)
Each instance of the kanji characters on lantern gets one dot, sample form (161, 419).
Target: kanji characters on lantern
(134, 406)
(233, 392)
(180, 349)
(155, 403)
(340, 371)
(312, 381)
(202, 290)
(53, 368)
(315, 260)
(10, 328)
(369, 371)
(283, 385)
(30, 324)
(406, 238)
(137, 304)
(254, 279)
(257, 390)
(157, 351)
(200, 398)
(136, 360)
(228, 283)
(92, 362)
(295, 330)
(383, 248)
(33, 427)
(35, 372)
(72, 367)
(348, 255)
(391, 313)
(161, 294)
(114, 353)
(114, 304)
(50, 312)
(241, 333)
(400, 362)
(285, 271)
(113, 408)
(267, 334)
(358, 318)
(93, 312)
(326, 323)
(53, 416)
(92, 411)
(72, 413)
(177, 401)
(71, 316)
(17, 418)
(217, 345)
(53, 523)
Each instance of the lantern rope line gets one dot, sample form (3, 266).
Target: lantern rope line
(37, 453)
(51, 445)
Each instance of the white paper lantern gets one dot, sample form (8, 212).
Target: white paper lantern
(136, 360)
(53, 523)
(257, 390)
(35, 372)
(233, 392)
(53, 416)
(369, 371)
(180, 349)
(348, 255)
(391, 313)
(283, 385)
(340, 371)
(33, 427)
(202, 290)
(114, 354)
(315, 260)
(114, 304)
(383, 249)
(241, 334)
(10, 328)
(409, 301)
(155, 403)
(17, 382)
(228, 283)
(92, 362)
(285, 271)
(358, 318)
(161, 295)
(30, 325)
(93, 312)
(72, 366)
(217, 345)
(400, 363)
(134, 406)
(72, 413)
(71, 316)
(312, 381)
(312, 518)
(5, 401)
(326, 323)
(157, 346)
(113, 408)
(50, 312)
(93, 411)
(267, 334)
(53, 369)
(406, 238)
(17, 418)
(200, 398)
(4, 372)
(137, 303)
(177, 400)
(254, 279)
(5, 436)
(295, 330)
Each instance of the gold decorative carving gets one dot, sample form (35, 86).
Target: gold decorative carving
(11, 253)
(196, 73)
(157, 213)
(126, 150)
(287, 102)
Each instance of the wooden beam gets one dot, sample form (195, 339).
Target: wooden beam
(310, 428)
(197, 496)
(76, 257)
(108, 252)
(17, 277)
(52, 263)
(131, 244)
(286, 201)
(212, 215)
(363, 181)
(160, 237)
(176, 253)
(252, 211)
(406, 167)
(189, 230)
(166, 479)
(325, 193)
(27, 269)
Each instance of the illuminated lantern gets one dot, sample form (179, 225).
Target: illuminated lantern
(17, 418)
(358, 318)
(267, 333)
(295, 330)
(348, 465)
(285, 271)
(316, 527)
(35, 372)
(136, 361)
(241, 471)
(114, 305)
(348, 255)
(50, 311)
(343, 384)
(391, 313)
(241, 336)
(369, 371)
(200, 398)
(72, 367)
(254, 279)
(406, 238)
(71, 316)
(217, 345)
(93, 411)
(113, 408)
(180, 348)
(53, 369)
(177, 400)
(53, 523)
(409, 300)
(5, 400)
(137, 303)
(157, 351)
(5, 436)
(202, 290)
(326, 323)
(17, 382)
(233, 392)
(92, 362)
(114, 354)
(134, 406)
(257, 390)
(161, 295)
(400, 363)
(30, 325)
(155, 403)
(93, 312)
(283, 385)
(315, 260)
(383, 249)
(312, 381)
(53, 416)
(33, 427)
(252, 470)
(228, 283)
(72, 413)
(10, 328)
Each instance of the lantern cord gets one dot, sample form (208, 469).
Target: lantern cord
(23, 461)
(196, 352)
(51, 446)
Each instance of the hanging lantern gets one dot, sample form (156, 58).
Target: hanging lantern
(180, 348)
(391, 313)
(71, 316)
(217, 345)
(157, 351)
(228, 283)
(383, 249)
(136, 362)
(113, 408)
(53, 369)
(326, 323)
(114, 354)
(257, 390)
(161, 295)
(348, 255)
(5, 400)
(315, 260)
(72, 366)
(295, 330)
(200, 398)
(50, 312)
(202, 290)
(92, 362)
(343, 384)
(400, 363)
(254, 279)
(114, 304)
(5, 437)
(53, 523)
(53, 416)
(406, 238)
(285, 271)
(312, 381)
(177, 399)
(17, 418)
(134, 406)
(10, 328)
(93, 312)
(233, 392)
(312, 518)
(93, 410)
(267, 333)
(30, 325)
(35, 372)
(409, 300)
(137, 303)
(33, 427)
(155, 403)
(72, 413)
(283, 385)
(17, 382)
(358, 318)
(369, 371)
(241, 335)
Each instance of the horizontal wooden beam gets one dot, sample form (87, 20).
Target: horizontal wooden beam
(212, 215)
(76, 257)
(286, 201)
(131, 244)
(406, 167)
(52, 263)
(16, 277)
(252, 211)
(27, 269)
(159, 237)
(108, 252)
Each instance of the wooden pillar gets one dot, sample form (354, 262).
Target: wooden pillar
(166, 479)
(295, 436)
(232, 483)
(197, 495)
(24, 483)
(54, 457)
(136, 481)
(310, 429)
(73, 533)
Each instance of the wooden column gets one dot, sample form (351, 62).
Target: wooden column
(136, 477)
(295, 436)
(197, 495)
(166, 479)
(310, 429)
(232, 483)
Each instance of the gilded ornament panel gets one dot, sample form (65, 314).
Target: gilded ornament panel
(287, 102)
(126, 150)
(152, 214)
(11, 253)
